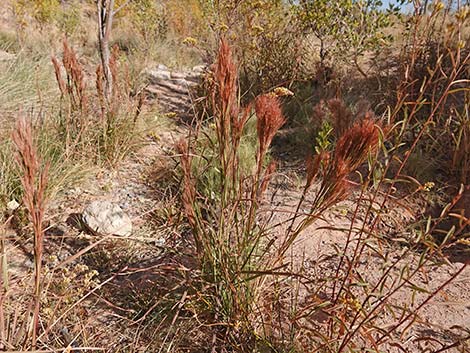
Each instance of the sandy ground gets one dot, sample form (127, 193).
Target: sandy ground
(445, 318)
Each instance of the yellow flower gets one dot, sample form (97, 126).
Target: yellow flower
(463, 13)
(80, 268)
(223, 27)
(464, 241)
(428, 186)
(170, 115)
(439, 6)
(190, 41)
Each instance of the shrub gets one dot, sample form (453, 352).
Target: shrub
(270, 50)
(237, 250)
(185, 18)
(242, 255)
(69, 18)
(345, 29)
(146, 16)
(433, 56)
(43, 11)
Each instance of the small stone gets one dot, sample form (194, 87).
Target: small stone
(13, 205)
(4, 56)
(104, 217)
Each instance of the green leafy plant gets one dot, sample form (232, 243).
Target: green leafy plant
(270, 51)
(43, 11)
(345, 29)
(69, 18)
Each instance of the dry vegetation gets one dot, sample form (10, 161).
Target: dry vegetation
(317, 201)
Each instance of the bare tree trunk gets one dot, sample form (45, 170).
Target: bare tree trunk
(105, 20)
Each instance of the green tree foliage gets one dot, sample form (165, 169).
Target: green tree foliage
(43, 11)
(147, 16)
(345, 29)
(265, 36)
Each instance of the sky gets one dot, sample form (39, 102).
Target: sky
(386, 3)
(409, 6)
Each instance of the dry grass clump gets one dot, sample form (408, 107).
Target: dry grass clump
(34, 182)
(72, 129)
(26, 82)
(243, 259)
(434, 69)
(224, 227)
(108, 127)
(238, 252)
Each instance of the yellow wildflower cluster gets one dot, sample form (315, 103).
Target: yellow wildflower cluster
(428, 186)
(190, 41)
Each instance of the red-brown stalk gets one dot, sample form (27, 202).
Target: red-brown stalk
(34, 181)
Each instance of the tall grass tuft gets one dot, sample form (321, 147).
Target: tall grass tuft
(228, 241)
(106, 127)
(238, 250)
(246, 260)
(34, 181)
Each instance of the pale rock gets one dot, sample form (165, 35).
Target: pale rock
(178, 75)
(199, 69)
(104, 217)
(193, 77)
(13, 205)
(4, 56)
(159, 75)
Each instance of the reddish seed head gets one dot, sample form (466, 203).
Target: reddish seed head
(341, 115)
(314, 163)
(226, 79)
(270, 119)
(351, 151)
(355, 144)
